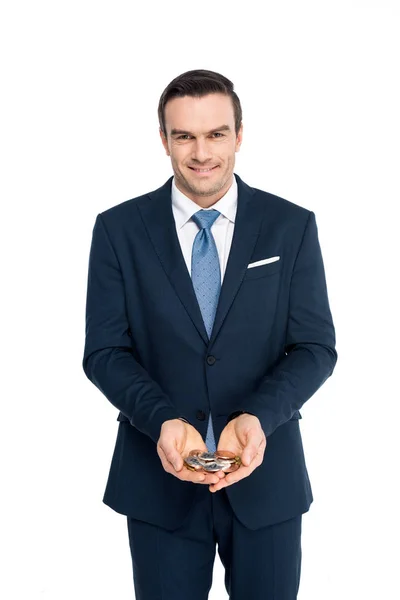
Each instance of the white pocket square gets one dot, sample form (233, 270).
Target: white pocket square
(264, 261)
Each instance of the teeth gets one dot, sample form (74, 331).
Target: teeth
(203, 170)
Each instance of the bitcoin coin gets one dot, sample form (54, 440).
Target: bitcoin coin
(206, 457)
(223, 463)
(211, 467)
(194, 463)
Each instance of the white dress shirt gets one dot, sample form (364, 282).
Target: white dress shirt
(184, 208)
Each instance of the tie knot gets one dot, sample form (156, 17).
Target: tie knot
(205, 218)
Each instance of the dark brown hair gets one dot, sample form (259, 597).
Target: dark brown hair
(198, 83)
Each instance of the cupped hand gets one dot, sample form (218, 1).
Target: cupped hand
(245, 437)
(176, 440)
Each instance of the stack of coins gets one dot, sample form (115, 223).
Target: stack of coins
(210, 462)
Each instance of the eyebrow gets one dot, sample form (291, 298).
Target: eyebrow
(222, 128)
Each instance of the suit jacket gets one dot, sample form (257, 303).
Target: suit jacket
(147, 350)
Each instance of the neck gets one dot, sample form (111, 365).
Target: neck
(205, 201)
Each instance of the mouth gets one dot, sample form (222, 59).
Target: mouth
(203, 172)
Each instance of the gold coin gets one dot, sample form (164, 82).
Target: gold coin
(190, 468)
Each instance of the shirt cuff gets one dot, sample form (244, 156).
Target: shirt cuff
(237, 413)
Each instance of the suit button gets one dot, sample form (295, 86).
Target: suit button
(211, 360)
(200, 415)
(129, 332)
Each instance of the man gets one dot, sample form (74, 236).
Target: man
(208, 326)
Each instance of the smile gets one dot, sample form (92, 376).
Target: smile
(203, 171)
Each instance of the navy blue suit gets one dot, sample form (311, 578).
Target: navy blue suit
(147, 350)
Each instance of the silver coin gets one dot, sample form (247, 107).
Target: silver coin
(193, 462)
(212, 467)
(223, 463)
(231, 468)
(206, 457)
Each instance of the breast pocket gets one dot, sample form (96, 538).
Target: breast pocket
(263, 270)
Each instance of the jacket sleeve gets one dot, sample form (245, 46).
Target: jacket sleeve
(310, 354)
(108, 359)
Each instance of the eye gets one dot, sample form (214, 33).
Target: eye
(182, 136)
(217, 133)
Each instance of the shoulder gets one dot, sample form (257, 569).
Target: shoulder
(127, 211)
(273, 204)
(282, 205)
(125, 215)
(281, 212)
(122, 210)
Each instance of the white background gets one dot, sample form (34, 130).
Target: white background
(81, 80)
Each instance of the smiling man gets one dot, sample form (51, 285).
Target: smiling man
(208, 326)
(202, 158)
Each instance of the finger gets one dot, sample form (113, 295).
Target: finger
(165, 463)
(215, 487)
(209, 479)
(185, 474)
(232, 478)
(203, 477)
(171, 454)
(237, 475)
(192, 476)
(252, 450)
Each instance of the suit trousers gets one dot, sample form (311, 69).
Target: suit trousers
(260, 564)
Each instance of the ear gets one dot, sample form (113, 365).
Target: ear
(239, 138)
(164, 142)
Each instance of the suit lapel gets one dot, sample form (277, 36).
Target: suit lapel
(156, 211)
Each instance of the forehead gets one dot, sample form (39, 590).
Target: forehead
(199, 114)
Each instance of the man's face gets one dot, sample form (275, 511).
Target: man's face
(201, 135)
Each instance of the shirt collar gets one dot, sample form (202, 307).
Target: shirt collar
(185, 208)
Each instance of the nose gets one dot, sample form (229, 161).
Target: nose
(201, 152)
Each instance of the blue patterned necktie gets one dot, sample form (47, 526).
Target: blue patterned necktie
(206, 278)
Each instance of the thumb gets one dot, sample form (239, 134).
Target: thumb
(172, 455)
(248, 454)
(177, 463)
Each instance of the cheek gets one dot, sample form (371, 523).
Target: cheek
(181, 156)
(229, 155)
